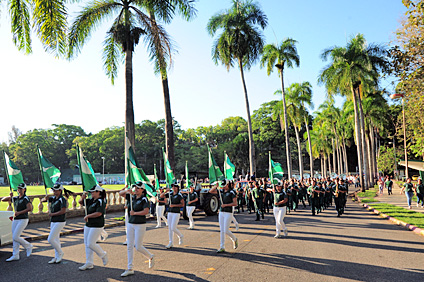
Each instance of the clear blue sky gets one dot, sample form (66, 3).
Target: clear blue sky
(39, 90)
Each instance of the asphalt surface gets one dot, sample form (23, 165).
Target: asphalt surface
(358, 246)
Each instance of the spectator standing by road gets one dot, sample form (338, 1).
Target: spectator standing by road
(408, 188)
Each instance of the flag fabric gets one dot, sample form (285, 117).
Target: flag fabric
(157, 185)
(169, 174)
(275, 171)
(88, 178)
(229, 168)
(215, 173)
(188, 182)
(134, 173)
(14, 175)
(49, 172)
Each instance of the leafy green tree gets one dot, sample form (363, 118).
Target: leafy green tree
(240, 43)
(282, 56)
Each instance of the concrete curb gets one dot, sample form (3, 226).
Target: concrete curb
(393, 220)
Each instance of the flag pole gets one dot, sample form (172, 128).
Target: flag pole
(8, 180)
(42, 175)
(82, 178)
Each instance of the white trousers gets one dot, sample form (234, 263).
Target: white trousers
(279, 213)
(54, 237)
(190, 210)
(18, 226)
(225, 219)
(135, 235)
(233, 219)
(91, 235)
(126, 221)
(160, 210)
(173, 219)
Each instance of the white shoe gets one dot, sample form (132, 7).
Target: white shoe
(180, 240)
(29, 250)
(237, 227)
(152, 261)
(103, 238)
(12, 258)
(59, 258)
(53, 260)
(285, 232)
(157, 226)
(169, 246)
(85, 267)
(127, 272)
(125, 243)
(105, 259)
(277, 236)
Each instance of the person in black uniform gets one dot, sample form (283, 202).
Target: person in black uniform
(57, 212)
(313, 196)
(240, 196)
(176, 202)
(340, 197)
(136, 228)
(95, 221)
(22, 206)
(228, 200)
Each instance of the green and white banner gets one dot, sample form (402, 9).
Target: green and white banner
(229, 168)
(169, 174)
(215, 173)
(275, 171)
(134, 173)
(14, 175)
(157, 184)
(188, 182)
(49, 172)
(88, 178)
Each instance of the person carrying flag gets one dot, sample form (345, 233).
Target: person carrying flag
(22, 206)
(228, 201)
(279, 209)
(192, 199)
(95, 221)
(160, 208)
(176, 201)
(57, 212)
(136, 227)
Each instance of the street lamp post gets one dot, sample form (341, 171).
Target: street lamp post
(396, 96)
(103, 176)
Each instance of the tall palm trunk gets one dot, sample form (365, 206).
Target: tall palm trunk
(299, 149)
(325, 165)
(322, 165)
(329, 165)
(364, 147)
(334, 155)
(311, 158)
(129, 107)
(286, 126)
(339, 150)
(169, 128)
(371, 173)
(358, 139)
(346, 167)
(249, 123)
(374, 151)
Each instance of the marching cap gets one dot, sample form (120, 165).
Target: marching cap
(139, 184)
(96, 188)
(57, 187)
(22, 186)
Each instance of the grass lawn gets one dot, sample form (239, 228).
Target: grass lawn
(405, 215)
(39, 190)
(371, 193)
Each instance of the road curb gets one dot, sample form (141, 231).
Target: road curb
(393, 220)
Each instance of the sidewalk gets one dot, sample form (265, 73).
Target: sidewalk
(397, 199)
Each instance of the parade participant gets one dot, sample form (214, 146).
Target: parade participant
(302, 193)
(95, 221)
(321, 197)
(389, 185)
(258, 199)
(340, 197)
(313, 196)
(176, 202)
(279, 209)
(248, 196)
(294, 194)
(409, 192)
(22, 206)
(160, 209)
(240, 192)
(192, 199)
(419, 191)
(267, 196)
(136, 228)
(228, 200)
(58, 205)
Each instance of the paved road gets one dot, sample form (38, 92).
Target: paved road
(359, 246)
(398, 199)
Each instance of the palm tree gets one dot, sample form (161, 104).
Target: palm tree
(240, 43)
(284, 55)
(350, 67)
(46, 18)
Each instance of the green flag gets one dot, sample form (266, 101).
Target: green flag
(49, 172)
(134, 173)
(275, 171)
(169, 174)
(188, 182)
(157, 185)
(229, 168)
(215, 173)
(14, 175)
(88, 178)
